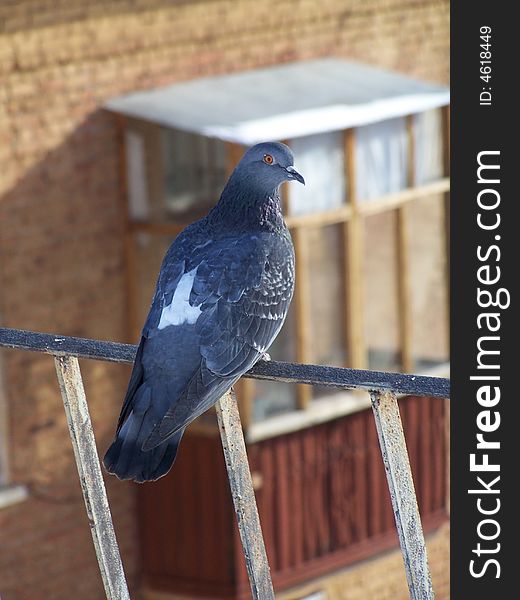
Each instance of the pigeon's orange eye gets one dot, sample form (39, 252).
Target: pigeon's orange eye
(268, 159)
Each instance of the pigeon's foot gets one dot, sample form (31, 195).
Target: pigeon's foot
(265, 356)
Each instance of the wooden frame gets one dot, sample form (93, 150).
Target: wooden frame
(404, 287)
(353, 259)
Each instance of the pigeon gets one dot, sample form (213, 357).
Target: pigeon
(222, 295)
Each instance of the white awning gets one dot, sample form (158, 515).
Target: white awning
(284, 101)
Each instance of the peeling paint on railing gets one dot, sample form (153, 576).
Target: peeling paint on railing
(383, 387)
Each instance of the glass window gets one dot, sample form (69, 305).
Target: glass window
(380, 292)
(327, 299)
(326, 294)
(194, 172)
(381, 158)
(320, 158)
(172, 174)
(137, 180)
(176, 177)
(429, 163)
(427, 251)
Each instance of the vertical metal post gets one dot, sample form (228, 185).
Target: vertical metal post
(91, 479)
(402, 493)
(243, 495)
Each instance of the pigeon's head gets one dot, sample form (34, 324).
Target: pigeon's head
(268, 165)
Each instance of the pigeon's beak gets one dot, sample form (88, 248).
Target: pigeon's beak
(293, 174)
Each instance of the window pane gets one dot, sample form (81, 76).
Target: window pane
(326, 295)
(380, 290)
(381, 154)
(138, 203)
(319, 158)
(327, 331)
(194, 172)
(429, 293)
(428, 146)
(172, 174)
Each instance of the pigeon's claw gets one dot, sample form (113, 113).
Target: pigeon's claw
(265, 356)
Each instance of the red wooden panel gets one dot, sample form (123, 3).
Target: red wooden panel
(266, 468)
(377, 496)
(150, 534)
(323, 503)
(423, 420)
(358, 433)
(187, 475)
(315, 491)
(439, 453)
(426, 465)
(341, 484)
(207, 543)
(298, 520)
(283, 505)
(186, 522)
(319, 490)
(310, 537)
(224, 516)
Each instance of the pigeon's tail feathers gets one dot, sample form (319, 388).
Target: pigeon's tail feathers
(126, 459)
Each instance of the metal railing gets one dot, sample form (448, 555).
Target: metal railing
(383, 389)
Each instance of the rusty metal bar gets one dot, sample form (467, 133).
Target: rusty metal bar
(402, 493)
(243, 495)
(338, 377)
(91, 479)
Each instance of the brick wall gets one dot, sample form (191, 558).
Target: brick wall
(60, 228)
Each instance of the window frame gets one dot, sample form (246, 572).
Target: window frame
(350, 217)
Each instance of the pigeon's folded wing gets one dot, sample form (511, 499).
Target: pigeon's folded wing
(245, 304)
(243, 289)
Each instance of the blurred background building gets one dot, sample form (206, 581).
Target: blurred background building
(119, 123)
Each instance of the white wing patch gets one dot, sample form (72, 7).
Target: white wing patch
(180, 311)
